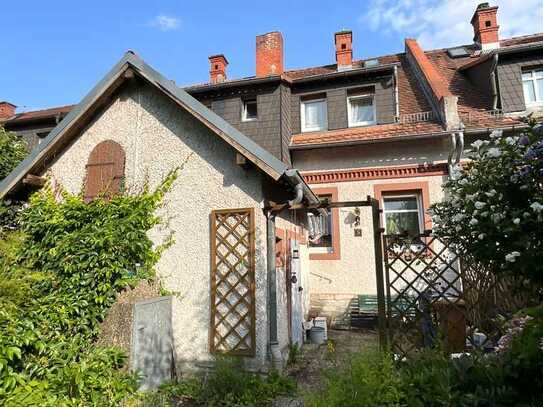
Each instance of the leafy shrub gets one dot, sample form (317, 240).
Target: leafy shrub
(370, 380)
(494, 208)
(60, 274)
(12, 151)
(230, 385)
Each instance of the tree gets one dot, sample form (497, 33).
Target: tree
(494, 205)
(13, 149)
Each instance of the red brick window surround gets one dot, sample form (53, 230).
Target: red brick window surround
(334, 250)
(420, 188)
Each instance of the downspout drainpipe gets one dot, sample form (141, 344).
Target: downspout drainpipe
(396, 97)
(493, 80)
(275, 351)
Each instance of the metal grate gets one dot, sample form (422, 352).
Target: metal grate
(416, 117)
(233, 282)
(434, 293)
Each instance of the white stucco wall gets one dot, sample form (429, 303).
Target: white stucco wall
(157, 136)
(424, 151)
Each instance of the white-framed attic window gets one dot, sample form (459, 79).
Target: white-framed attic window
(532, 86)
(361, 110)
(314, 115)
(250, 110)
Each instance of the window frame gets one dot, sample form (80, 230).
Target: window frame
(303, 102)
(408, 194)
(349, 115)
(244, 117)
(333, 253)
(533, 80)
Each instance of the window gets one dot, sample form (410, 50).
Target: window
(361, 110)
(402, 213)
(105, 171)
(532, 84)
(250, 110)
(321, 242)
(314, 115)
(324, 244)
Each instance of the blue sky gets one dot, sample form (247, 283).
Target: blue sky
(54, 52)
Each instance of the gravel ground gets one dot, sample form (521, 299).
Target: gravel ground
(314, 360)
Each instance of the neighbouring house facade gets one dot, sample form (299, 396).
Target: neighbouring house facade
(388, 127)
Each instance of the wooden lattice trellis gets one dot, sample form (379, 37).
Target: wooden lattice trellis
(233, 281)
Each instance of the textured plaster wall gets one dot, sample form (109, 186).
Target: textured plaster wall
(158, 136)
(372, 155)
(354, 273)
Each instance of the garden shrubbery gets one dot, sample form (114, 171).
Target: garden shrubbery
(494, 205)
(13, 150)
(59, 274)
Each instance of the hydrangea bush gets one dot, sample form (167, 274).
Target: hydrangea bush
(494, 204)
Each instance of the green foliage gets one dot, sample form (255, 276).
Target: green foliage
(230, 385)
(58, 277)
(12, 151)
(370, 380)
(494, 208)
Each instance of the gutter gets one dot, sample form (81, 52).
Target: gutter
(493, 82)
(396, 93)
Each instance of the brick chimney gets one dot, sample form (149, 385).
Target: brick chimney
(6, 110)
(344, 49)
(217, 72)
(269, 54)
(485, 27)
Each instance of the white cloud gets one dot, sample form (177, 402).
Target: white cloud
(443, 23)
(165, 23)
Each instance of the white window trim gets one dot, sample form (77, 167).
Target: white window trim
(302, 115)
(366, 123)
(244, 117)
(419, 210)
(538, 98)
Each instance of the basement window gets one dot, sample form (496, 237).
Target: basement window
(250, 110)
(532, 85)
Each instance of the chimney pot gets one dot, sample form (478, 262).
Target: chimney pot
(485, 27)
(7, 110)
(217, 73)
(269, 54)
(344, 49)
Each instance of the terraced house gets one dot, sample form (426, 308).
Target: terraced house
(387, 127)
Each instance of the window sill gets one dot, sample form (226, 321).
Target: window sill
(249, 120)
(324, 256)
(365, 124)
(313, 130)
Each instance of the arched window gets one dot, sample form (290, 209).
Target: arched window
(105, 170)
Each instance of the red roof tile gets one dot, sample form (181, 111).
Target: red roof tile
(40, 114)
(354, 134)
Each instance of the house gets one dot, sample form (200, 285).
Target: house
(387, 127)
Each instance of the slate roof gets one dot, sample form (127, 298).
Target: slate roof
(261, 158)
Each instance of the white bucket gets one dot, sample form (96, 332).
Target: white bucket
(317, 335)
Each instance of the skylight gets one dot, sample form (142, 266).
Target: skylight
(458, 52)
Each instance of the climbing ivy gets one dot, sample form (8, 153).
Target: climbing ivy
(58, 276)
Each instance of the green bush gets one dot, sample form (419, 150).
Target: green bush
(230, 385)
(12, 151)
(494, 205)
(370, 380)
(58, 276)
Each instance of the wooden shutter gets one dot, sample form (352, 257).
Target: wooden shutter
(105, 171)
(233, 282)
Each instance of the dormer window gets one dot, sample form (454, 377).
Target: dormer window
(361, 109)
(532, 85)
(250, 110)
(314, 115)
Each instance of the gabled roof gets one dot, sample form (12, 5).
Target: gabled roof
(129, 65)
(51, 113)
